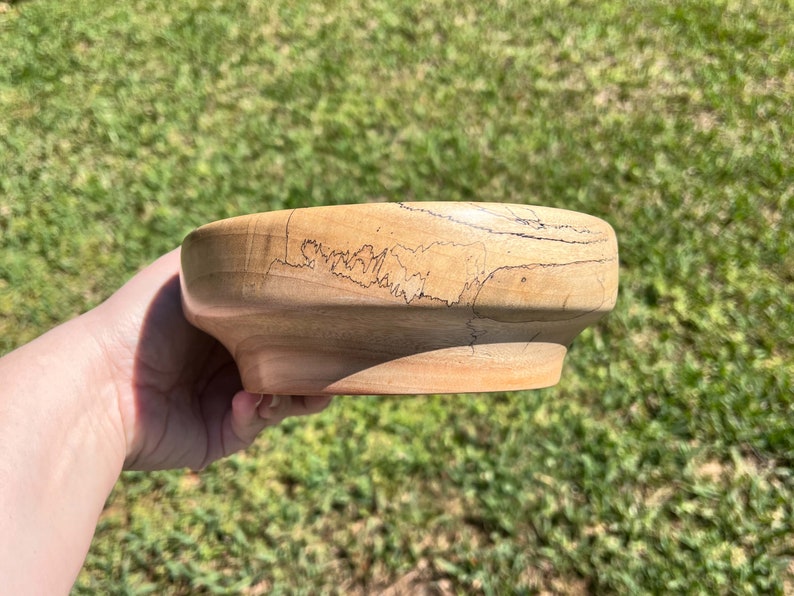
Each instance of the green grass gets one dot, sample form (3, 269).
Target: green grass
(663, 461)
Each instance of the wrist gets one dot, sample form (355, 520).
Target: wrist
(108, 365)
(62, 454)
(101, 399)
(141, 313)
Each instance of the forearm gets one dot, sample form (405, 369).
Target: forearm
(61, 451)
(129, 383)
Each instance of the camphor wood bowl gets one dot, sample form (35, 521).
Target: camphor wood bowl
(400, 298)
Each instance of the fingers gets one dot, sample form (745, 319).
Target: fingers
(251, 413)
(275, 408)
(246, 423)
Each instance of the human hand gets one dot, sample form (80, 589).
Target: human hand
(180, 397)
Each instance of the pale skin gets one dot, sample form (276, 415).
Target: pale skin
(128, 385)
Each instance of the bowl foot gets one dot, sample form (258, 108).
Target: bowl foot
(460, 369)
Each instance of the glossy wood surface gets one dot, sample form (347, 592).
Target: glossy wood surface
(400, 298)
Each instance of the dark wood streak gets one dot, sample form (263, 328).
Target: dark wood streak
(489, 230)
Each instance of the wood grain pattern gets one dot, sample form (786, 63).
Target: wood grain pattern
(400, 298)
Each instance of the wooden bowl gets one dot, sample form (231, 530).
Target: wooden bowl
(400, 298)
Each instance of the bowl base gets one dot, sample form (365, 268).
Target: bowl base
(461, 369)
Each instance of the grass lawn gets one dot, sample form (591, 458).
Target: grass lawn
(663, 461)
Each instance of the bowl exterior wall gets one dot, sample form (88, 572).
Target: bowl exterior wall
(434, 297)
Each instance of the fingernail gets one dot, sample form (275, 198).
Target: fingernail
(259, 401)
(275, 401)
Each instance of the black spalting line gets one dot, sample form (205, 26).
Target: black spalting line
(375, 261)
(333, 257)
(504, 233)
(383, 281)
(537, 222)
(574, 315)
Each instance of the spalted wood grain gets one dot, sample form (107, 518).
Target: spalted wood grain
(400, 298)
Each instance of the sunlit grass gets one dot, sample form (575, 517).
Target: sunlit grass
(663, 460)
